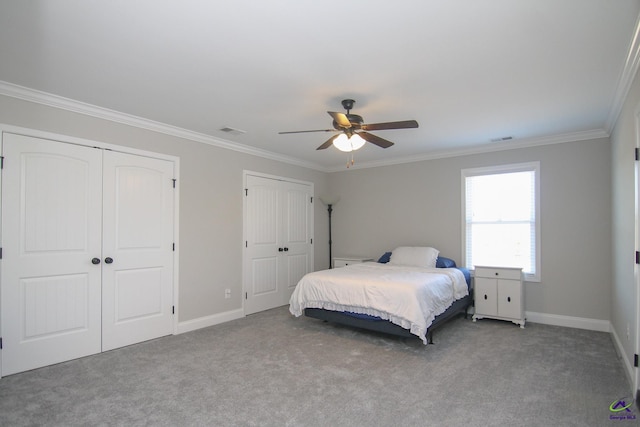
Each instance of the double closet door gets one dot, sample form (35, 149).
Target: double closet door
(87, 257)
(278, 240)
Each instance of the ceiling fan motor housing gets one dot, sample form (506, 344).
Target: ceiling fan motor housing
(347, 104)
(355, 120)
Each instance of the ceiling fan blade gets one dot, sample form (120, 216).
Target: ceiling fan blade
(306, 131)
(405, 124)
(328, 142)
(341, 119)
(380, 142)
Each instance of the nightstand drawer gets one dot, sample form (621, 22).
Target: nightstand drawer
(344, 261)
(498, 273)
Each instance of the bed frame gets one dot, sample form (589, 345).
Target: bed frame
(380, 325)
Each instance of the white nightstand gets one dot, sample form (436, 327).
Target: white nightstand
(341, 261)
(499, 294)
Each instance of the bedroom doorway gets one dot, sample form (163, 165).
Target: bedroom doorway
(278, 243)
(87, 260)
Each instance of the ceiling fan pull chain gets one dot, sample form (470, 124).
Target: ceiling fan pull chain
(350, 163)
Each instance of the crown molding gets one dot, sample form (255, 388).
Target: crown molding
(513, 144)
(39, 97)
(629, 71)
(44, 98)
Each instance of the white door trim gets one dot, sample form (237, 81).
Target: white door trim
(636, 270)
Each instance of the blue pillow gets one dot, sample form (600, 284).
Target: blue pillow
(443, 262)
(385, 258)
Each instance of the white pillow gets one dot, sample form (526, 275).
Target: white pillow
(414, 256)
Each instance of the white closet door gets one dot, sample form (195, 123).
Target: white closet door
(137, 249)
(278, 218)
(263, 258)
(51, 232)
(296, 239)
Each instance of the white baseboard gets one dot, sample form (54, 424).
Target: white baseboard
(206, 321)
(569, 321)
(629, 370)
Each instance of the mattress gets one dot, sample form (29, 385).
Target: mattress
(410, 297)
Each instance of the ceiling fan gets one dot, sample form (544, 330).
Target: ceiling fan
(352, 132)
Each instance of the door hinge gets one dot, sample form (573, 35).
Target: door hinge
(312, 241)
(635, 360)
(311, 199)
(1, 162)
(637, 153)
(174, 182)
(0, 343)
(0, 253)
(173, 247)
(246, 243)
(246, 191)
(246, 295)
(637, 256)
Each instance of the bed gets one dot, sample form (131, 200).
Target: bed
(409, 292)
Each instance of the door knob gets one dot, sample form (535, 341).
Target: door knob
(108, 260)
(95, 261)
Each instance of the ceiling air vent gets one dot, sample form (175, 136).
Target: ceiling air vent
(232, 131)
(504, 138)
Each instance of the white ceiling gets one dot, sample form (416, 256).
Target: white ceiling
(468, 71)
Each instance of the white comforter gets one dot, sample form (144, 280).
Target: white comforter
(410, 297)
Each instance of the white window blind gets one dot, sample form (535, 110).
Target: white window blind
(501, 217)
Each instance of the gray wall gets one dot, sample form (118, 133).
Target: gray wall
(380, 208)
(210, 200)
(420, 204)
(624, 291)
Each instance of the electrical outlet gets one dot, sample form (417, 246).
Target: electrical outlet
(628, 333)
(227, 294)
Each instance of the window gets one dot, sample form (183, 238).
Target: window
(501, 217)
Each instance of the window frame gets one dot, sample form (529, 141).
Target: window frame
(502, 169)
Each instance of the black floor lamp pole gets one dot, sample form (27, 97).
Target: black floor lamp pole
(330, 209)
(329, 202)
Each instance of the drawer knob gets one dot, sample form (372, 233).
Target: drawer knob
(485, 296)
(496, 273)
(508, 299)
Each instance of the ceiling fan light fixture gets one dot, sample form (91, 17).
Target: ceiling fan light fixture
(357, 142)
(347, 144)
(342, 143)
